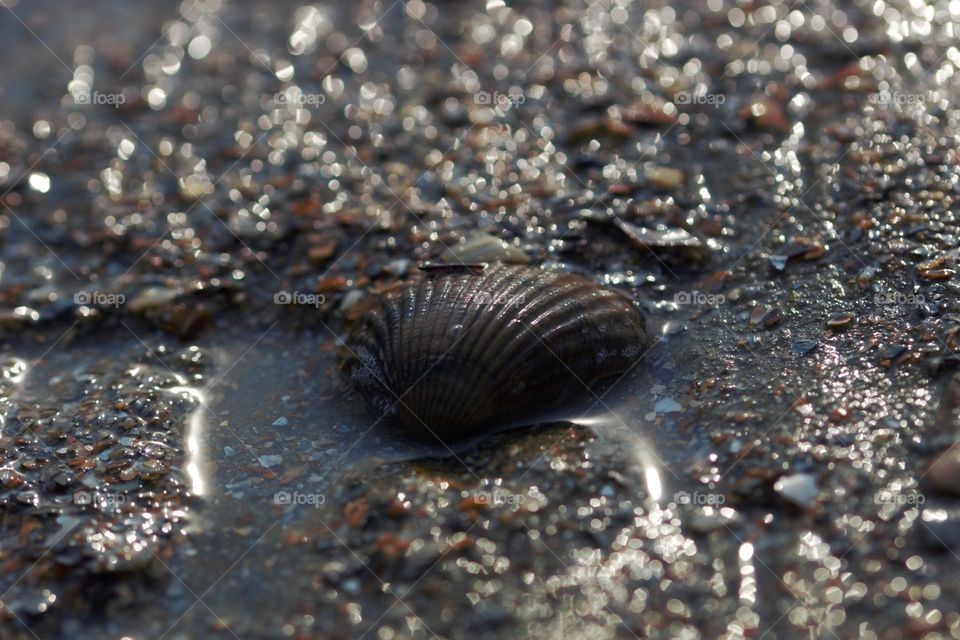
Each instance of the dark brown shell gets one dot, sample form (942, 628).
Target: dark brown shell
(463, 349)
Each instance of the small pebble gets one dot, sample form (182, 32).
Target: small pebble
(667, 405)
(799, 489)
(270, 461)
(765, 315)
(839, 320)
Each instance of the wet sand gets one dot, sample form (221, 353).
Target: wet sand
(180, 456)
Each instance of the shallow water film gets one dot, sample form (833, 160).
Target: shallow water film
(240, 239)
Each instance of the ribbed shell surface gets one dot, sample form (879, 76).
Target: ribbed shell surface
(462, 350)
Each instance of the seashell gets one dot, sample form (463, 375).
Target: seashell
(464, 349)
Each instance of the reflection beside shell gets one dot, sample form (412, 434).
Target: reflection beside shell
(457, 351)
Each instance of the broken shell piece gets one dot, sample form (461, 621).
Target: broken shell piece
(799, 248)
(673, 238)
(483, 247)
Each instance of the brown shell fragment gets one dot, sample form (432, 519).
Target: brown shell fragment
(459, 351)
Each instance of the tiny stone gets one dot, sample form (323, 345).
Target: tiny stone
(270, 461)
(667, 405)
(765, 315)
(839, 320)
(666, 178)
(799, 489)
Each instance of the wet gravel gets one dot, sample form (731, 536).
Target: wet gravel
(196, 200)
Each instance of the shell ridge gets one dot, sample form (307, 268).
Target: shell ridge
(436, 359)
(500, 312)
(482, 341)
(475, 349)
(371, 353)
(457, 315)
(541, 306)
